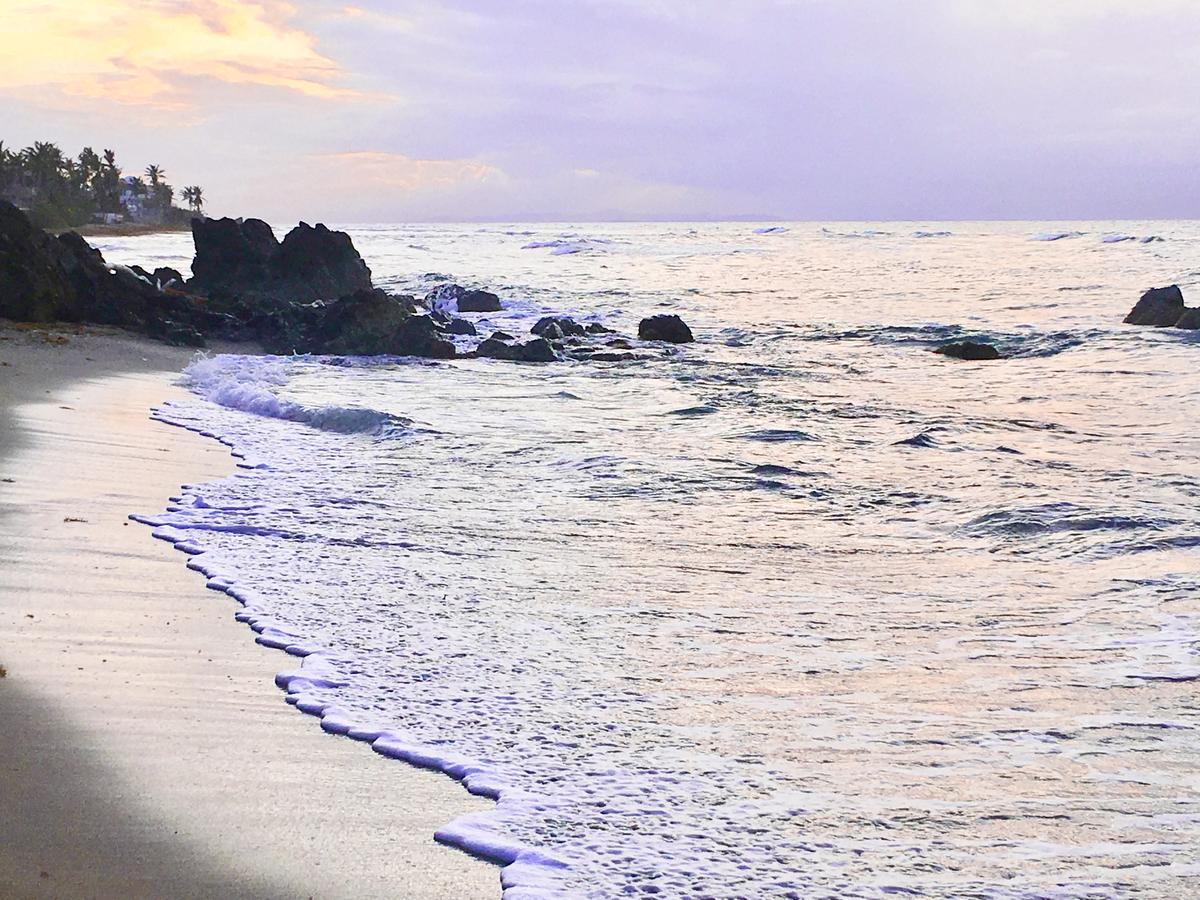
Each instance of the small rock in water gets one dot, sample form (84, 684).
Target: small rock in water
(479, 301)
(1159, 307)
(971, 350)
(537, 350)
(464, 299)
(461, 326)
(665, 328)
(555, 327)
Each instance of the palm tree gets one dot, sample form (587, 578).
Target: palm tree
(155, 174)
(193, 195)
(89, 166)
(44, 162)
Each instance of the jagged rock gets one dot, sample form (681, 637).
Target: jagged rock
(461, 326)
(612, 356)
(620, 343)
(232, 253)
(668, 328)
(969, 350)
(537, 350)
(597, 328)
(501, 336)
(243, 259)
(557, 327)
(448, 298)
(1159, 307)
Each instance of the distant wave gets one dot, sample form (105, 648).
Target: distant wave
(865, 233)
(566, 246)
(931, 234)
(247, 383)
(1124, 238)
(1056, 235)
(771, 229)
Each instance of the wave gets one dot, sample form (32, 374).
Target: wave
(771, 229)
(932, 234)
(567, 246)
(865, 233)
(1056, 235)
(1050, 518)
(1125, 238)
(1028, 343)
(248, 383)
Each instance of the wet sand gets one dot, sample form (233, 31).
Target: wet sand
(145, 750)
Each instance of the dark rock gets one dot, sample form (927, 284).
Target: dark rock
(365, 323)
(33, 284)
(969, 350)
(501, 336)
(232, 253)
(167, 277)
(555, 327)
(1190, 319)
(461, 326)
(463, 299)
(1159, 307)
(537, 350)
(620, 343)
(45, 278)
(665, 328)
(479, 301)
(597, 328)
(243, 259)
(612, 356)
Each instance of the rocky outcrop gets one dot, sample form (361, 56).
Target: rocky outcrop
(665, 328)
(45, 278)
(1160, 308)
(970, 350)
(242, 258)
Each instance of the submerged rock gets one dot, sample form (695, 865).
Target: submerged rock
(668, 328)
(461, 327)
(1158, 307)
(971, 350)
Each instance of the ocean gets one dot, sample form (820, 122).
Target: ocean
(799, 610)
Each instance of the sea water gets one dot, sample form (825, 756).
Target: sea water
(799, 610)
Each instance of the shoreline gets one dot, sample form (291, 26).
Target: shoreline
(126, 229)
(148, 751)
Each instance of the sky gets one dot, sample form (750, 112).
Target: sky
(572, 110)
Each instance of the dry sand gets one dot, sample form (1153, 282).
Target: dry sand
(144, 749)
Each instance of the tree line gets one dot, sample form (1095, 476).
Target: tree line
(63, 192)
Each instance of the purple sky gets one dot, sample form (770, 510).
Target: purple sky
(600, 109)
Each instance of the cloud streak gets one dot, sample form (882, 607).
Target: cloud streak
(159, 53)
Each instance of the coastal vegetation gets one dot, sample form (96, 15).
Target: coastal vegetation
(59, 191)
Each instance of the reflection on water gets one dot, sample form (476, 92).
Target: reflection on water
(800, 610)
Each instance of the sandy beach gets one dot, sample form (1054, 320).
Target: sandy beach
(146, 751)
